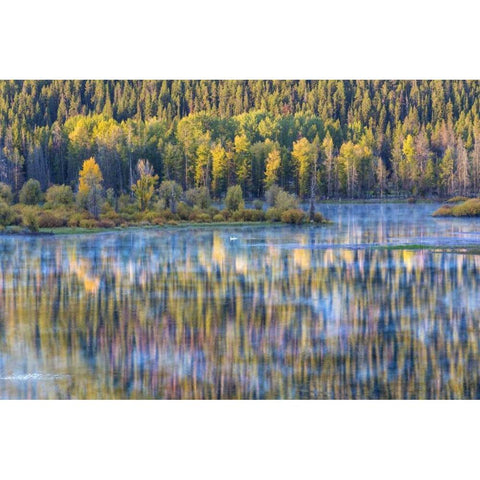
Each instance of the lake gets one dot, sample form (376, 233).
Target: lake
(241, 312)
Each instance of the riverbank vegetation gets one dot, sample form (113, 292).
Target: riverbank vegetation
(148, 203)
(459, 207)
(340, 139)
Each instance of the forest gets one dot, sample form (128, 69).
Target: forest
(331, 139)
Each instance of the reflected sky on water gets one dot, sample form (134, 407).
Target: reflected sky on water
(279, 312)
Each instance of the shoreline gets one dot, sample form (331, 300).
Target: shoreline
(50, 232)
(183, 224)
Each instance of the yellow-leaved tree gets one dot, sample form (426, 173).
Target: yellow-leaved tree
(145, 186)
(90, 186)
(272, 169)
(305, 154)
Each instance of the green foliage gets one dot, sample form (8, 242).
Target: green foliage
(58, 195)
(6, 214)
(88, 223)
(6, 193)
(285, 201)
(126, 204)
(184, 211)
(145, 186)
(273, 215)
(110, 198)
(305, 155)
(271, 195)
(319, 218)
(31, 192)
(48, 219)
(366, 137)
(171, 193)
(200, 217)
(258, 204)
(234, 199)
(294, 216)
(198, 197)
(250, 215)
(30, 219)
(469, 208)
(443, 211)
(110, 215)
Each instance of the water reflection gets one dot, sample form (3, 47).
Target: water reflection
(281, 312)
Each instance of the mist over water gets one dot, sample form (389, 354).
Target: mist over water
(280, 312)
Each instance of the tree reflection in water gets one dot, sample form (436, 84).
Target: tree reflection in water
(282, 312)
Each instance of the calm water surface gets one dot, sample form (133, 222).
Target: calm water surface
(278, 312)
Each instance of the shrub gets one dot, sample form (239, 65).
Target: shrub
(212, 211)
(470, 208)
(17, 211)
(59, 195)
(30, 219)
(7, 215)
(6, 193)
(411, 200)
(271, 194)
(319, 218)
(293, 215)
(125, 203)
(198, 197)
(218, 218)
(250, 215)
(443, 211)
(51, 220)
(237, 216)
(111, 216)
(171, 193)
(203, 217)
(258, 205)
(88, 223)
(74, 220)
(234, 198)
(273, 215)
(167, 215)
(184, 211)
(154, 218)
(31, 193)
(110, 198)
(148, 217)
(286, 201)
(158, 221)
(105, 223)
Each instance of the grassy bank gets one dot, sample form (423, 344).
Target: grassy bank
(459, 207)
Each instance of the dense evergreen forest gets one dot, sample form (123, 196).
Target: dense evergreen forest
(347, 139)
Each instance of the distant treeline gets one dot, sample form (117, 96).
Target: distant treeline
(333, 138)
